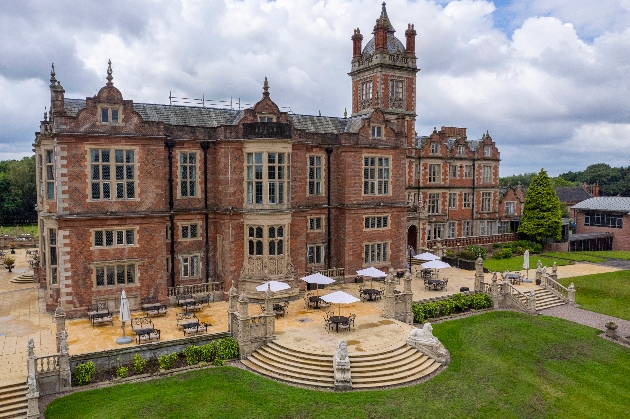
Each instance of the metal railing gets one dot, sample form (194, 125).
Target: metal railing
(462, 242)
(266, 130)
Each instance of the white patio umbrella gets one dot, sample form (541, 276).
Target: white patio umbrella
(318, 278)
(526, 262)
(426, 256)
(435, 264)
(372, 272)
(340, 297)
(274, 286)
(124, 315)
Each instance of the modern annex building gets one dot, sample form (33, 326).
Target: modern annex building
(146, 197)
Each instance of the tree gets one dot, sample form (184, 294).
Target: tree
(542, 217)
(17, 190)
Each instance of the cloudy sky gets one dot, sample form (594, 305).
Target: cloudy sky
(549, 79)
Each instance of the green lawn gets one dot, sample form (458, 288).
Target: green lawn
(516, 263)
(607, 293)
(608, 254)
(17, 230)
(576, 256)
(505, 365)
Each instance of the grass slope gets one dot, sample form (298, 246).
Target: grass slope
(611, 254)
(505, 365)
(607, 293)
(516, 263)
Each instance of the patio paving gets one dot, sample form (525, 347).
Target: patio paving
(23, 317)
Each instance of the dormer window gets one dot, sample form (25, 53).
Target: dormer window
(377, 131)
(487, 151)
(461, 150)
(265, 119)
(435, 148)
(110, 115)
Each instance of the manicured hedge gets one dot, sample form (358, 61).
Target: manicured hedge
(456, 304)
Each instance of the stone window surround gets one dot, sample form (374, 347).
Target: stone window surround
(322, 254)
(377, 130)
(452, 200)
(386, 217)
(467, 203)
(434, 172)
(387, 250)
(178, 175)
(486, 201)
(321, 180)
(512, 210)
(94, 265)
(44, 173)
(468, 171)
(180, 224)
(321, 218)
(486, 173)
(109, 107)
(48, 267)
(114, 246)
(180, 259)
(387, 180)
(88, 171)
(266, 115)
(267, 146)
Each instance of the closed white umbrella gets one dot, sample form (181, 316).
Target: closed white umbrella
(273, 286)
(124, 315)
(340, 297)
(526, 262)
(318, 278)
(372, 272)
(426, 256)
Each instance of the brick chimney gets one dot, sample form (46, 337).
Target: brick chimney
(357, 39)
(410, 34)
(380, 35)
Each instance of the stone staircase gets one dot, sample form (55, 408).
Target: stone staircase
(389, 367)
(13, 403)
(545, 299)
(25, 278)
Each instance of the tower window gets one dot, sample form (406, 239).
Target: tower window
(365, 90)
(396, 89)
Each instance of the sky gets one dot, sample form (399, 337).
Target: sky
(548, 79)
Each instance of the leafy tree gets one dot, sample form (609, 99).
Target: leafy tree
(524, 180)
(17, 190)
(542, 217)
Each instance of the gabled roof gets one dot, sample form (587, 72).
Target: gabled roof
(571, 193)
(605, 203)
(196, 116)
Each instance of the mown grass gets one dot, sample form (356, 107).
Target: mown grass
(610, 254)
(504, 365)
(606, 293)
(17, 230)
(576, 257)
(516, 263)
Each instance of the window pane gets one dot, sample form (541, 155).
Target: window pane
(110, 275)
(272, 248)
(129, 156)
(259, 248)
(184, 232)
(104, 115)
(120, 274)
(119, 156)
(120, 172)
(279, 247)
(100, 277)
(120, 237)
(115, 115)
(105, 156)
(98, 238)
(131, 273)
(129, 236)
(131, 190)
(96, 191)
(109, 238)
(193, 231)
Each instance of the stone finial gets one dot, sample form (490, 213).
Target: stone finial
(59, 311)
(572, 286)
(45, 114)
(63, 345)
(53, 80)
(31, 348)
(266, 88)
(109, 73)
(319, 113)
(345, 112)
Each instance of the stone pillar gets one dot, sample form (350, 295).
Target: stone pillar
(233, 311)
(33, 395)
(554, 272)
(571, 294)
(494, 292)
(478, 274)
(244, 335)
(65, 380)
(389, 305)
(60, 321)
(531, 302)
(408, 296)
(270, 320)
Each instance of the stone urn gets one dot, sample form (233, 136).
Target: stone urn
(12, 247)
(611, 329)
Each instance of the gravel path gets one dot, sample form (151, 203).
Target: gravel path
(587, 318)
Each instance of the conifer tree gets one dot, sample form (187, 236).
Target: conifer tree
(542, 217)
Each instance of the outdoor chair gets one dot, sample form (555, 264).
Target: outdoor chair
(344, 326)
(327, 323)
(351, 319)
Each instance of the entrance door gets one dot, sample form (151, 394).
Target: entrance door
(412, 238)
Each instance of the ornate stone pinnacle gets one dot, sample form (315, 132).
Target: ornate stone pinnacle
(266, 88)
(109, 73)
(45, 114)
(345, 112)
(53, 80)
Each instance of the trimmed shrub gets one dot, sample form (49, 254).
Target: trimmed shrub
(477, 251)
(504, 253)
(467, 255)
(84, 373)
(138, 363)
(455, 304)
(122, 371)
(166, 361)
(481, 301)
(227, 348)
(192, 354)
(208, 352)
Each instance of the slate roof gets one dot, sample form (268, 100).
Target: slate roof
(196, 116)
(393, 45)
(571, 193)
(605, 203)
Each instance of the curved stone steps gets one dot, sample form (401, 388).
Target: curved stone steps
(545, 299)
(389, 367)
(13, 403)
(26, 278)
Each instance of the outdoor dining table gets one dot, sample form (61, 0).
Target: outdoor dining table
(188, 322)
(151, 305)
(427, 273)
(315, 299)
(435, 283)
(371, 293)
(339, 319)
(513, 278)
(143, 331)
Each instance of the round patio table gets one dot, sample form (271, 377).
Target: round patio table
(339, 319)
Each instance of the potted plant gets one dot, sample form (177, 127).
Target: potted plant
(9, 263)
(12, 247)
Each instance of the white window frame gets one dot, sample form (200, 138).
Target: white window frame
(119, 237)
(452, 171)
(510, 207)
(315, 174)
(433, 201)
(466, 229)
(435, 148)
(486, 174)
(486, 201)
(315, 254)
(190, 265)
(274, 191)
(377, 131)
(365, 90)
(49, 173)
(487, 151)
(376, 222)
(468, 171)
(435, 171)
(467, 200)
(451, 229)
(461, 150)
(376, 175)
(376, 253)
(452, 200)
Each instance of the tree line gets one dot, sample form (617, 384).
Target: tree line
(18, 191)
(612, 181)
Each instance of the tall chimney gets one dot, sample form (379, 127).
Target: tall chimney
(357, 39)
(380, 35)
(410, 34)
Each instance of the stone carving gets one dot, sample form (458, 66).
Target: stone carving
(539, 265)
(32, 385)
(544, 270)
(63, 344)
(31, 348)
(341, 366)
(572, 286)
(424, 341)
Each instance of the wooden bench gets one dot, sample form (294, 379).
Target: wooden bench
(147, 335)
(101, 318)
(195, 328)
(184, 319)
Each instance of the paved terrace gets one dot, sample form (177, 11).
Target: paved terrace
(22, 318)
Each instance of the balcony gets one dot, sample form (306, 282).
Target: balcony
(267, 130)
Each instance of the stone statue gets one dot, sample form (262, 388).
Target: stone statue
(544, 270)
(31, 348)
(32, 385)
(572, 286)
(63, 343)
(494, 278)
(341, 366)
(539, 265)
(424, 341)
(555, 267)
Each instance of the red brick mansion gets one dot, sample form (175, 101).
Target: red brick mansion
(149, 197)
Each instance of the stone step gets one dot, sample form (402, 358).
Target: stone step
(378, 356)
(13, 402)
(324, 371)
(397, 372)
(308, 357)
(14, 413)
(270, 371)
(393, 382)
(403, 361)
(13, 388)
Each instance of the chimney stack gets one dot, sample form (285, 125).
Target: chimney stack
(380, 36)
(357, 39)
(410, 34)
